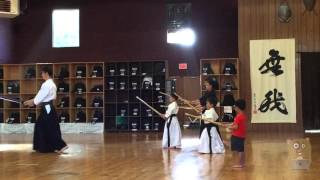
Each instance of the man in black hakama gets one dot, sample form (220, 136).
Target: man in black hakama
(47, 135)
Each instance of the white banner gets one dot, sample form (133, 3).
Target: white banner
(273, 83)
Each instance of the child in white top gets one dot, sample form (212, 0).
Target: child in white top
(210, 141)
(172, 132)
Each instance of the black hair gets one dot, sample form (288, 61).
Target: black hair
(175, 97)
(241, 104)
(212, 100)
(47, 69)
(212, 82)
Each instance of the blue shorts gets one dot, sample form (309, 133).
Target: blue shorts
(237, 144)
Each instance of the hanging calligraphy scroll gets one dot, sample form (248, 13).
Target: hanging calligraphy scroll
(273, 84)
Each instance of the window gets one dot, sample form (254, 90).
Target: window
(179, 24)
(65, 28)
(184, 37)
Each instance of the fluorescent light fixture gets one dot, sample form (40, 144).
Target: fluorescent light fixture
(185, 37)
(65, 28)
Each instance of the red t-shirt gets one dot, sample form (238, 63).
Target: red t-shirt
(240, 120)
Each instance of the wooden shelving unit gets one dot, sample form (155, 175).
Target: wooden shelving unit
(123, 82)
(28, 87)
(217, 71)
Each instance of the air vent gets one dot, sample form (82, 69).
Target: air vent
(9, 8)
(5, 6)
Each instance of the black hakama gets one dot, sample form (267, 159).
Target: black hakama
(47, 135)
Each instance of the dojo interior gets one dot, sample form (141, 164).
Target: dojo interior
(117, 46)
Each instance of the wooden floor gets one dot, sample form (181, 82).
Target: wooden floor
(139, 156)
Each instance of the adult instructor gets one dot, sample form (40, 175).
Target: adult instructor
(47, 134)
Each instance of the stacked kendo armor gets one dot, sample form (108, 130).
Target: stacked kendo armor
(228, 103)
(97, 71)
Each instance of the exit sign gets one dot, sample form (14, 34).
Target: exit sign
(183, 66)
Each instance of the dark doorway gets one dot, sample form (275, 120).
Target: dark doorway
(310, 81)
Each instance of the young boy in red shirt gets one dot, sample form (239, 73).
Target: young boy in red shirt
(238, 128)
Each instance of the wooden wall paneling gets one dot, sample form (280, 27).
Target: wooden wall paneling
(316, 22)
(299, 90)
(245, 53)
(304, 32)
(191, 87)
(286, 26)
(252, 22)
(294, 7)
(298, 31)
(271, 18)
(192, 91)
(259, 20)
(281, 27)
(276, 19)
(296, 19)
(258, 14)
(264, 18)
(310, 33)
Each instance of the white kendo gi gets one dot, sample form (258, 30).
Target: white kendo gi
(210, 141)
(47, 92)
(172, 131)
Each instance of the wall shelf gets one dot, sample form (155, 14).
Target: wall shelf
(123, 82)
(216, 71)
(28, 88)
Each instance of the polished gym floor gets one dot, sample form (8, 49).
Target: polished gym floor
(140, 156)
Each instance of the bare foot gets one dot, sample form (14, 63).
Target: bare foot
(63, 149)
